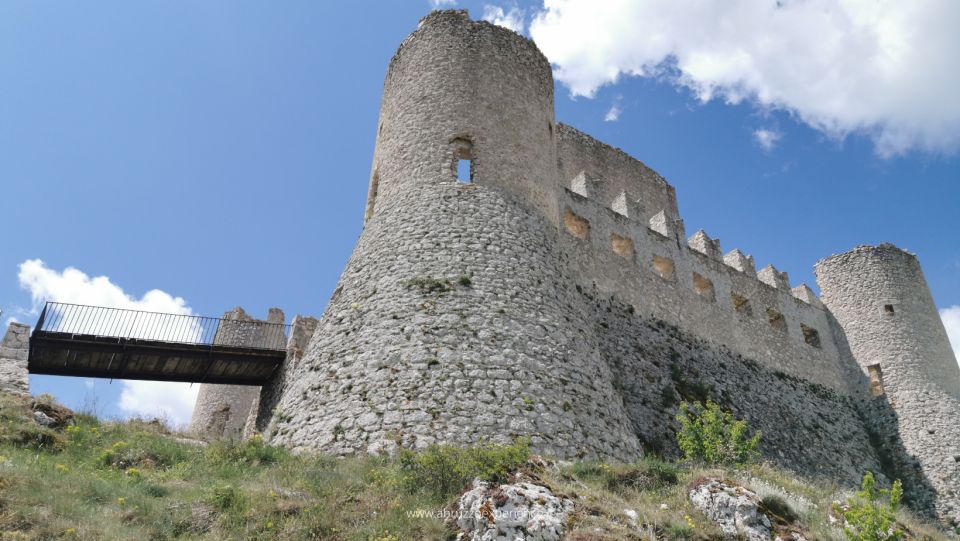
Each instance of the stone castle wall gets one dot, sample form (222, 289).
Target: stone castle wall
(557, 296)
(880, 297)
(222, 410)
(14, 349)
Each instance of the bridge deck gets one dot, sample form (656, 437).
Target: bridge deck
(234, 352)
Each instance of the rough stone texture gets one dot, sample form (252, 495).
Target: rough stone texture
(14, 350)
(735, 509)
(514, 512)
(261, 413)
(880, 297)
(535, 301)
(222, 410)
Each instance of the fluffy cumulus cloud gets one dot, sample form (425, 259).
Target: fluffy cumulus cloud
(174, 401)
(951, 320)
(882, 68)
(767, 139)
(511, 18)
(440, 4)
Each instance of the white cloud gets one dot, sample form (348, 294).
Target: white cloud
(442, 3)
(173, 401)
(512, 18)
(951, 320)
(883, 68)
(767, 139)
(613, 114)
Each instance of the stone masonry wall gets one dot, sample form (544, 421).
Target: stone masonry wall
(261, 413)
(807, 427)
(880, 297)
(557, 296)
(454, 321)
(222, 410)
(619, 256)
(14, 349)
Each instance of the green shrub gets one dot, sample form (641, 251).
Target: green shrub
(648, 474)
(251, 452)
(776, 507)
(35, 437)
(225, 498)
(709, 434)
(444, 471)
(871, 513)
(146, 452)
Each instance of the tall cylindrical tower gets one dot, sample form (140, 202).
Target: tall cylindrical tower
(455, 320)
(880, 298)
(463, 90)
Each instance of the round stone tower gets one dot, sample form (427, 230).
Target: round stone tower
(463, 90)
(880, 298)
(455, 320)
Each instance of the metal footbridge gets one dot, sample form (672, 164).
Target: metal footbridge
(99, 342)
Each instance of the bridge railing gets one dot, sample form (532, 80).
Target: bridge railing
(78, 319)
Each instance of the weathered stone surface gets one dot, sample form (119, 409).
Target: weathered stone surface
(555, 296)
(14, 349)
(512, 512)
(222, 410)
(733, 508)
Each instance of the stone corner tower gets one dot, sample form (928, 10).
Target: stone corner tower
(454, 319)
(879, 296)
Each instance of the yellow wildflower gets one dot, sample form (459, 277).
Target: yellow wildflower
(61, 468)
(121, 501)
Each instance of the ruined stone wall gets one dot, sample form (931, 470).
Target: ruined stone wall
(261, 412)
(14, 349)
(222, 410)
(455, 321)
(557, 296)
(611, 177)
(807, 427)
(880, 297)
(688, 283)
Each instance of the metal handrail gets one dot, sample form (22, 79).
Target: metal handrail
(123, 323)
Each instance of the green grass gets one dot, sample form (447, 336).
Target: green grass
(133, 480)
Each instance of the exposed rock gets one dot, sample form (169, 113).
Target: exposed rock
(42, 419)
(519, 511)
(734, 508)
(54, 415)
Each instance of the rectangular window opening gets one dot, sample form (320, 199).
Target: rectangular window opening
(464, 171)
(622, 246)
(810, 335)
(876, 380)
(704, 287)
(888, 309)
(776, 319)
(741, 304)
(577, 226)
(663, 267)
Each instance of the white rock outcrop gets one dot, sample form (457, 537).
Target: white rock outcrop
(513, 512)
(735, 509)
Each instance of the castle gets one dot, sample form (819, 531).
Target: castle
(555, 294)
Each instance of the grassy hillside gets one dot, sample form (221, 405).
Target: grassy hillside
(134, 480)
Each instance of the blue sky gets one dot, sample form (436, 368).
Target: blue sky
(219, 151)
